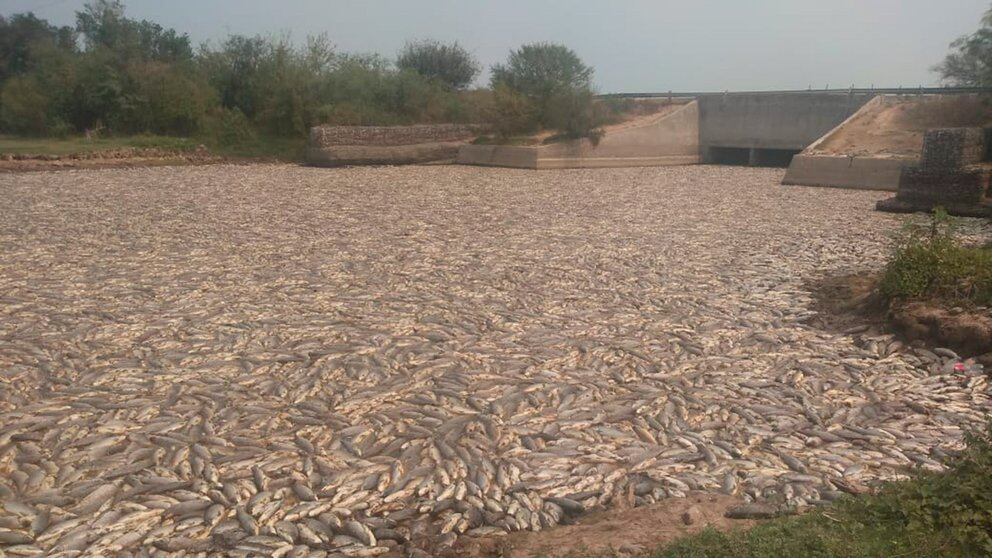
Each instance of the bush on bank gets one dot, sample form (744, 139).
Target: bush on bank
(451, 64)
(932, 262)
(114, 75)
(935, 515)
(545, 85)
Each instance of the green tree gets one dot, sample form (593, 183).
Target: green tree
(134, 76)
(22, 36)
(235, 71)
(556, 85)
(539, 70)
(24, 106)
(970, 62)
(447, 63)
(167, 99)
(102, 24)
(131, 76)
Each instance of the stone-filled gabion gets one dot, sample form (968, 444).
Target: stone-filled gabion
(951, 148)
(332, 146)
(948, 175)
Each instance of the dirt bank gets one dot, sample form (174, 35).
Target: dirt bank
(850, 303)
(894, 125)
(624, 531)
(116, 158)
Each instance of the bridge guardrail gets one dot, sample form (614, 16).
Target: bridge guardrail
(852, 91)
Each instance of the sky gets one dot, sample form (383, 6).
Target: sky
(634, 45)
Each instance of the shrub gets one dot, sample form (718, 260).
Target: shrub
(932, 514)
(24, 106)
(555, 83)
(575, 114)
(957, 503)
(448, 64)
(932, 262)
(167, 100)
(512, 113)
(540, 70)
(229, 128)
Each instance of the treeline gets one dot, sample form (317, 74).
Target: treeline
(110, 74)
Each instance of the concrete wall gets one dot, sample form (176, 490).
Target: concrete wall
(839, 171)
(772, 120)
(671, 139)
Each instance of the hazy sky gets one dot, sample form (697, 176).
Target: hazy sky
(635, 45)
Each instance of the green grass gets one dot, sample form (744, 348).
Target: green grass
(72, 145)
(266, 148)
(512, 140)
(930, 263)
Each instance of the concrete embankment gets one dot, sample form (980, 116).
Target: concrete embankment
(870, 149)
(662, 140)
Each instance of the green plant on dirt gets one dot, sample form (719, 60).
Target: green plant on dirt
(575, 114)
(513, 114)
(945, 514)
(229, 128)
(930, 261)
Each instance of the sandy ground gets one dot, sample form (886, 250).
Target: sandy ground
(265, 360)
(895, 127)
(650, 112)
(626, 532)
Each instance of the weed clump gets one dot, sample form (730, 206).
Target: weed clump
(932, 262)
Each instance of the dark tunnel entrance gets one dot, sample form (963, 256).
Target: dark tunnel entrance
(754, 157)
(729, 156)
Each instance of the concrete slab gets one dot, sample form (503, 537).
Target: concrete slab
(837, 171)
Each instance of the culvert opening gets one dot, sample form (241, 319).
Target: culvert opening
(774, 157)
(743, 156)
(730, 156)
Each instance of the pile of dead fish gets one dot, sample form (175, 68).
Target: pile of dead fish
(278, 361)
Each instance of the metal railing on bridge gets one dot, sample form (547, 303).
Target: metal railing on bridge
(850, 90)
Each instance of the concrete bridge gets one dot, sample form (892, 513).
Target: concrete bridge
(770, 127)
(767, 128)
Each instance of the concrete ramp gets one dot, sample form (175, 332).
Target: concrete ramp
(870, 149)
(662, 140)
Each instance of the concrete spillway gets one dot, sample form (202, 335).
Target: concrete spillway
(768, 128)
(870, 149)
(760, 128)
